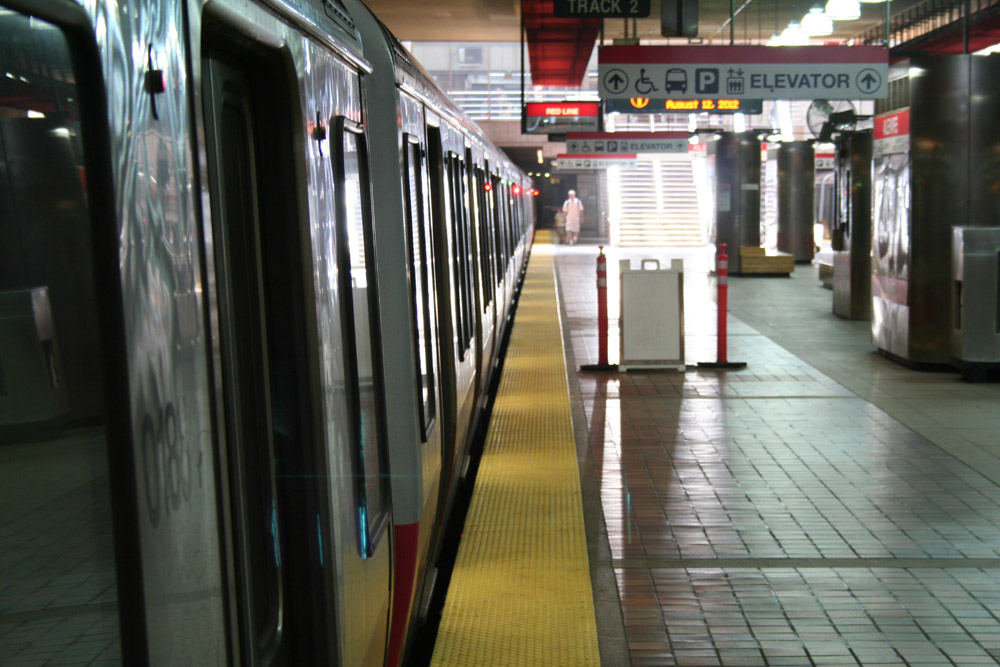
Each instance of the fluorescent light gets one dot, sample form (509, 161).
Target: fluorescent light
(843, 10)
(739, 122)
(793, 35)
(816, 23)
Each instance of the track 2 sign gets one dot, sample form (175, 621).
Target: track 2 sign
(601, 9)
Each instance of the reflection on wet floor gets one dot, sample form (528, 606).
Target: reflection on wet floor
(772, 516)
(58, 601)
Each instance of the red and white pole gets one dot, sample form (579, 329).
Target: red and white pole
(722, 274)
(602, 308)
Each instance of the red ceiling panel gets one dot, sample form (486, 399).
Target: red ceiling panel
(558, 49)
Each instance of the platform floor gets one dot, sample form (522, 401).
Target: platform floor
(520, 590)
(824, 506)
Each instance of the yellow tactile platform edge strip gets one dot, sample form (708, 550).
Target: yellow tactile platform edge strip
(520, 592)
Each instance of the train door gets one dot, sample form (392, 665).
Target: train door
(273, 471)
(487, 241)
(67, 490)
(510, 267)
(500, 250)
(361, 355)
(455, 325)
(479, 231)
(419, 248)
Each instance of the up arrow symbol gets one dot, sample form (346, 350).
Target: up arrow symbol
(869, 81)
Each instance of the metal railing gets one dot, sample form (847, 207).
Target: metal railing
(925, 18)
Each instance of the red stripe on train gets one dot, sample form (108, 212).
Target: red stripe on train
(407, 540)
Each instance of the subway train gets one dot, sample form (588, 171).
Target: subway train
(255, 273)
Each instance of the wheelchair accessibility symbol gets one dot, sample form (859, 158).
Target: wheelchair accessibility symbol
(644, 85)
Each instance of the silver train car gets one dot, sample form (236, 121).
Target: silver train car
(255, 273)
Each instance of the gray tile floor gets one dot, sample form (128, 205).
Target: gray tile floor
(58, 602)
(824, 506)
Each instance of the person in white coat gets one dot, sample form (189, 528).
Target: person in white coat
(573, 209)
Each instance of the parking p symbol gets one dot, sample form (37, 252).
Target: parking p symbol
(706, 81)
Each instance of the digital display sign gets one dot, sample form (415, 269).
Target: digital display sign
(561, 117)
(651, 105)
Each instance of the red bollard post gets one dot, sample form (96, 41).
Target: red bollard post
(602, 318)
(722, 274)
(602, 308)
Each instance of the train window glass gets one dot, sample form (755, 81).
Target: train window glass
(460, 254)
(508, 228)
(58, 578)
(445, 240)
(467, 257)
(485, 254)
(498, 244)
(416, 230)
(491, 222)
(512, 226)
(360, 317)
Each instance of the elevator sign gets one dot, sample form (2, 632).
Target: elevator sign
(743, 72)
(627, 142)
(589, 162)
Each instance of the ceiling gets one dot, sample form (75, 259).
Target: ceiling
(499, 20)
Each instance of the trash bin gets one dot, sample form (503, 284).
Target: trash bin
(975, 329)
(652, 315)
(31, 385)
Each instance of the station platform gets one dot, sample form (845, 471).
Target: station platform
(823, 506)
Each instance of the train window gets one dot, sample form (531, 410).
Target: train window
(58, 315)
(360, 325)
(460, 249)
(508, 230)
(469, 259)
(417, 242)
(485, 252)
(496, 195)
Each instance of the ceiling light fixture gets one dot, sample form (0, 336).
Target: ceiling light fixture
(793, 35)
(843, 10)
(816, 23)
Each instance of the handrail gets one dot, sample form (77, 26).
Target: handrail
(924, 18)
